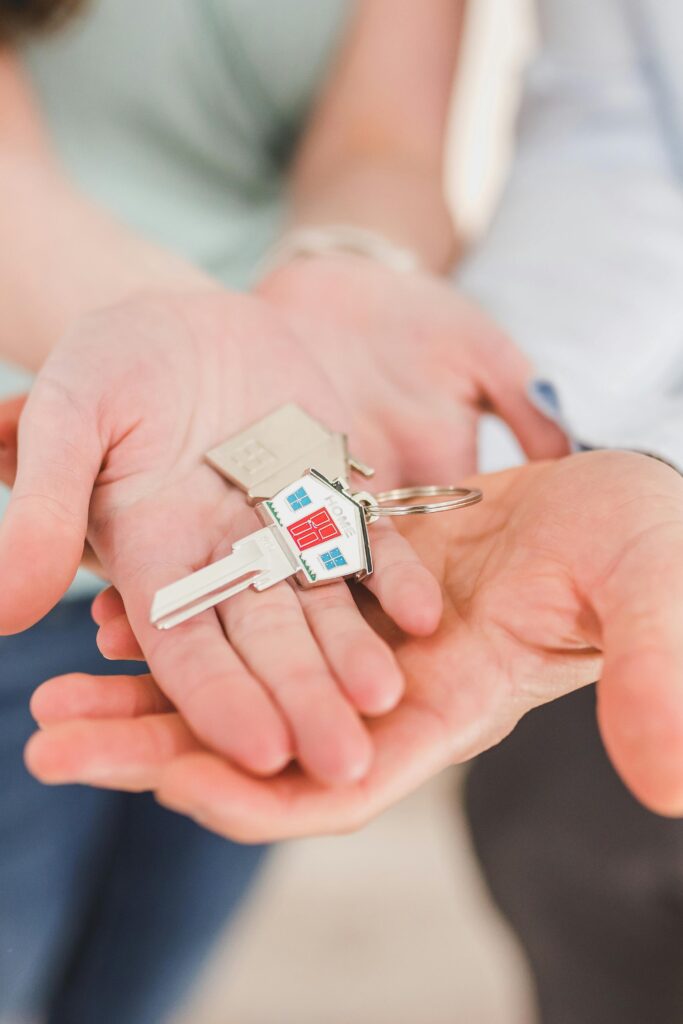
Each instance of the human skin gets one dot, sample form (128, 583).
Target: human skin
(372, 155)
(121, 377)
(569, 571)
(110, 450)
(399, 338)
(374, 150)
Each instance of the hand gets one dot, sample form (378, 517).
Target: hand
(127, 405)
(568, 571)
(420, 357)
(133, 399)
(111, 443)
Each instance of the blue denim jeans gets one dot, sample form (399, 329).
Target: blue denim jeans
(108, 903)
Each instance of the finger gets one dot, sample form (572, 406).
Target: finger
(43, 532)
(117, 641)
(270, 632)
(160, 752)
(437, 439)
(410, 748)
(10, 411)
(107, 605)
(83, 696)
(8, 467)
(115, 638)
(363, 662)
(91, 562)
(405, 588)
(204, 677)
(504, 375)
(117, 754)
(640, 695)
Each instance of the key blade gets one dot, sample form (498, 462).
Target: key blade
(258, 557)
(171, 606)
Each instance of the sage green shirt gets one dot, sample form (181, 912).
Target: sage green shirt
(180, 117)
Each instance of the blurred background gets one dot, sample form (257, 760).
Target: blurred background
(393, 925)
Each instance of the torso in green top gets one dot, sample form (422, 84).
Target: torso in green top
(180, 115)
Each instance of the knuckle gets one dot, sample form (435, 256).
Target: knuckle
(300, 674)
(198, 692)
(388, 572)
(157, 743)
(271, 617)
(323, 603)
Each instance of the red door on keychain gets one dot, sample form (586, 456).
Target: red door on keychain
(314, 529)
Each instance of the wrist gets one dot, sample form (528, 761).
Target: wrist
(340, 239)
(401, 200)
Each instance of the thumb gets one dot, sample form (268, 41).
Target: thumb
(640, 695)
(43, 533)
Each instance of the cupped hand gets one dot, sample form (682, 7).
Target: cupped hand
(133, 398)
(570, 571)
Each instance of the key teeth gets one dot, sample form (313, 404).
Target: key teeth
(155, 613)
(263, 582)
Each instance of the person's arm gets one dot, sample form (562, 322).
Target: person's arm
(373, 154)
(373, 158)
(61, 256)
(583, 266)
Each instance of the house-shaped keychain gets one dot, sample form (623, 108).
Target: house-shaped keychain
(262, 459)
(322, 527)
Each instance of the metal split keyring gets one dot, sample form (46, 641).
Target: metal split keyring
(458, 497)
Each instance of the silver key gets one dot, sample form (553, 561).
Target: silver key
(315, 532)
(257, 560)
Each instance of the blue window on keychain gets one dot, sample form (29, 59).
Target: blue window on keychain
(298, 499)
(333, 559)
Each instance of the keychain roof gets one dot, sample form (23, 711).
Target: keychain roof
(268, 455)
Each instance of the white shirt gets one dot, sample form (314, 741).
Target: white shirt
(583, 264)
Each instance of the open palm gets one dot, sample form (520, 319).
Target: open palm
(111, 447)
(570, 571)
(411, 345)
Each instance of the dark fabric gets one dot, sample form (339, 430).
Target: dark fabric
(108, 903)
(591, 882)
